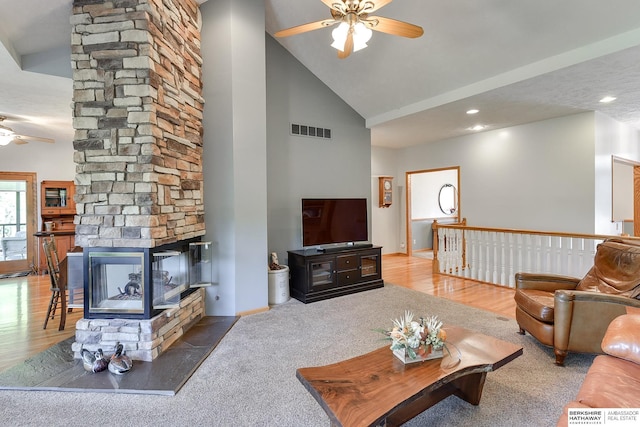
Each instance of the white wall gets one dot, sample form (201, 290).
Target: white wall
(536, 176)
(612, 138)
(299, 166)
(553, 175)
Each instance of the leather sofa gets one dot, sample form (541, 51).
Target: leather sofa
(613, 380)
(571, 314)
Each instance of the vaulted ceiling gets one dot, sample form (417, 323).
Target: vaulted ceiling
(516, 61)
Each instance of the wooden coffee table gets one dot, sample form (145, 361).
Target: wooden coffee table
(378, 389)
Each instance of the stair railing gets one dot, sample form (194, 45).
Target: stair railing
(494, 255)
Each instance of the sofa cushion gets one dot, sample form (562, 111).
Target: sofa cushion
(611, 383)
(616, 270)
(622, 338)
(536, 303)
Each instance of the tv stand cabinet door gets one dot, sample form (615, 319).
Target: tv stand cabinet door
(321, 273)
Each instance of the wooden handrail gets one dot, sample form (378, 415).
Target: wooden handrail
(534, 232)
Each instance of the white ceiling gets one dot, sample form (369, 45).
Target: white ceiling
(517, 61)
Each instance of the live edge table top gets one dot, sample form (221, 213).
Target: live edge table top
(378, 389)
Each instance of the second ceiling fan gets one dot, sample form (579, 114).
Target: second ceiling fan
(7, 136)
(355, 25)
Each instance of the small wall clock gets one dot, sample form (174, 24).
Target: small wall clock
(385, 184)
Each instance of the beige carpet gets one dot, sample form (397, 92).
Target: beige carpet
(249, 379)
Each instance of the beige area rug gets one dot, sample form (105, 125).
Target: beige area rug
(250, 377)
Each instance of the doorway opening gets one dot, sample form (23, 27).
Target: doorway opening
(17, 222)
(432, 194)
(625, 195)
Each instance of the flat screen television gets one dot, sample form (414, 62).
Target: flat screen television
(329, 221)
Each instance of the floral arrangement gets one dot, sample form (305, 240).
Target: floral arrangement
(417, 338)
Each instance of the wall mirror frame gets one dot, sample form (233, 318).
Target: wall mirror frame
(448, 199)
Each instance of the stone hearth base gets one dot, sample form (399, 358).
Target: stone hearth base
(142, 339)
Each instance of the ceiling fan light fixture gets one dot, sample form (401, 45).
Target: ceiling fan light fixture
(6, 135)
(361, 35)
(339, 35)
(4, 131)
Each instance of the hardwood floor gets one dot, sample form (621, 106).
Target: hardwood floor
(24, 300)
(23, 306)
(417, 273)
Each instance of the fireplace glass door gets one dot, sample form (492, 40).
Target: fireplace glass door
(116, 282)
(169, 278)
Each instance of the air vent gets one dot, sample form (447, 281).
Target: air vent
(310, 131)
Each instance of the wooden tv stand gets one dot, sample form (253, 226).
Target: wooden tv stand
(321, 275)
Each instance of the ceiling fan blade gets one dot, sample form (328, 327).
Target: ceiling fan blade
(348, 47)
(393, 26)
(306, 27)
(23, 139)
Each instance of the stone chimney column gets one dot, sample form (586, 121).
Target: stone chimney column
(137, 108)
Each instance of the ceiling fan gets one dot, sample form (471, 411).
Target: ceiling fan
(7, 136)
(356, 24)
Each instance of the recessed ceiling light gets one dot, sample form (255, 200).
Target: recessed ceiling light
(477, 127)
(473, 111)
(608, 99)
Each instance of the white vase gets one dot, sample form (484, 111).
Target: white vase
(405, 358)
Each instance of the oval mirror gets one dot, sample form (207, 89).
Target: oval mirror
(447, 199)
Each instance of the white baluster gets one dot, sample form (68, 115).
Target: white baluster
(459, 265)
(564, 258)
(445, 259)
(481, 255)
(487, 267)
(554, 250)
(540, 255)
(528, 253)
(473, 262)
(520, 251)
(467, 252)
(442, 248)
(494, 260)
(503, 260)
(512, 261)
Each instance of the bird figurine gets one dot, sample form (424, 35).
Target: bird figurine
(119, 363)
(94, 362)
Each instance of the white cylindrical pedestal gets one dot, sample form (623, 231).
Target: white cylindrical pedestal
(279, 285)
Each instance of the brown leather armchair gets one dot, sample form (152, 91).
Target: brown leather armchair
(571, 314)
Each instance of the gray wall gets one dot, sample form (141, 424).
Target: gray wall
(298, 166)
(234, 159)
(386, 225)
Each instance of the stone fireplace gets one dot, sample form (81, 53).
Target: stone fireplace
(137, 108)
